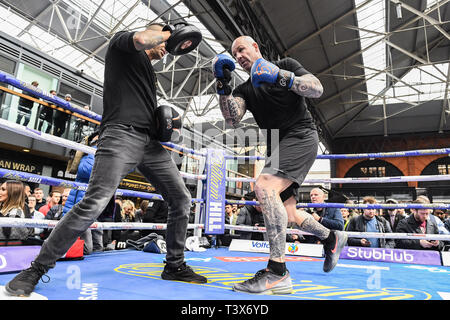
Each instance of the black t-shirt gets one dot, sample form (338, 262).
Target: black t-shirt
(274, 108)
(129, 92)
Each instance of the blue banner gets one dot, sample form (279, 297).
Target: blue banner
(215, 192)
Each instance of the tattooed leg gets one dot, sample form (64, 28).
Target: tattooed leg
(307, 223)
(275, 219)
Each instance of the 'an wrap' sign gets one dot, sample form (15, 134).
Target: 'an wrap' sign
(215, 192)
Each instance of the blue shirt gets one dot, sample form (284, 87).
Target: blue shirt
(372, 226)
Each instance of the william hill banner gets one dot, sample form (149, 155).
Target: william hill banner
(215, 192)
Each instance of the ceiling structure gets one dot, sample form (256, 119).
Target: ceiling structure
(384, 64)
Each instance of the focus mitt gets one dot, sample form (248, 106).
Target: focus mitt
(167, 121)
(183, 39)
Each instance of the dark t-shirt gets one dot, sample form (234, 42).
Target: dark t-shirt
(129, 92)
(274, 108)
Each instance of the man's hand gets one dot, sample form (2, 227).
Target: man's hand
(315, 216)
(429, 244)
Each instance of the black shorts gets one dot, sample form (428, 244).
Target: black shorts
(292, 157)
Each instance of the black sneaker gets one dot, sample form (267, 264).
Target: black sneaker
(23, 284)
(182, 273)
(333, 249)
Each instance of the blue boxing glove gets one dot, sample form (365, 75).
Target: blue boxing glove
(223, 65)
(265, 72)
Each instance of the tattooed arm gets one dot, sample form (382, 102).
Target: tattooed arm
(308, 86)
(148, 39)
(233, 108)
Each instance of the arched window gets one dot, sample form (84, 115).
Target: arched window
(437, 167)
(372, 169)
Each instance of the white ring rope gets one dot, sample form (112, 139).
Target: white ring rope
(444, 177)
(37, 223)
(50, 224)
(352, 234)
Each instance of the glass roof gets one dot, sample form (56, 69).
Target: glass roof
(108, 16)
(420, 84)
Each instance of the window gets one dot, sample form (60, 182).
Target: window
(442, 169)
(7, 65)
(373, 171)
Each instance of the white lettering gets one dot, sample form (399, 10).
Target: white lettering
(74, 280)
(352, 252)
(3, 262)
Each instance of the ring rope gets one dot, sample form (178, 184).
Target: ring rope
(50, 224)
(352, 234)
(395, 154)
(444, 177)
(356, 206)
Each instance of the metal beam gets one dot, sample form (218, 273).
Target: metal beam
(403, 26)
(326, 27)
(61, 19)
(35, 19)
(90, 20)
(434, 23)
(445, 102)
(365, 105)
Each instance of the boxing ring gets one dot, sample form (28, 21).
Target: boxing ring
(128, 274)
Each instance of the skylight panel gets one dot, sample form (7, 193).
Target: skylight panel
(372, 20)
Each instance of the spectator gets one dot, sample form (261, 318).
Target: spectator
(79, 126)
(393, 216)
(156, 212)
(25, 106)
(370, 222)
(352, 212)
(141, 211)
(439, 214)
(297, 238)
(418, 222)
(235, 208)
(251, 215)
(55, 212)
(26, 209)
(128, 212)
(230, 219)
(12, 202)
(35, 215)
(228, 213)
(46, 115)
(39, 195)
(330, 218)
(440, 224)
(345, 215)
(61, 118)
(55, 198)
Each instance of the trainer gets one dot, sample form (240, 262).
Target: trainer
(128, 139)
